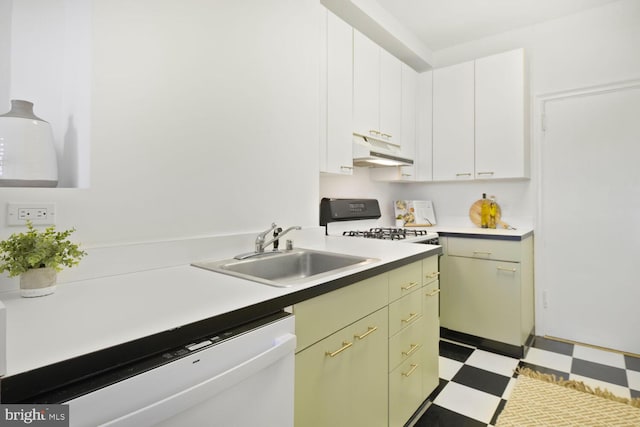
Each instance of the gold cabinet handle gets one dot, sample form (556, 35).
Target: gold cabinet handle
(433, 293)
(432, 275)
(370, 330)
(464, 174)
(485, 173)
(412, 349)
(409, 286)
(386, 135)
(481, 253)
(346, 168)
(345, 345)
(414, 366)
(512, 270)
(374, 132)
(406, 174)
(411, 318)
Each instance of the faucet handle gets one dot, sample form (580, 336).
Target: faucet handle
(276, 241)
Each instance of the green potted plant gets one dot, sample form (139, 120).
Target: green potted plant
(37, 257)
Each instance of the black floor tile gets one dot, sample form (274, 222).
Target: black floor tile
(437, 416)
(633, 363)
(437, 390)
(551, 345)
(543, 370)
(496, 414)
(635, 394)
(482, 380)
(600, 372)
(455, 351)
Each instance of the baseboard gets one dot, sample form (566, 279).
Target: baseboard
(488, 344)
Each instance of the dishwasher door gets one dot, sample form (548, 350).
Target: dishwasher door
(243, 381)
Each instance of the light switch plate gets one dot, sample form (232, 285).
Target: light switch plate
(37, 213)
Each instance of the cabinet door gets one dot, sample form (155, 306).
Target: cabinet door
(349, 387)
(423, 161)
(500, 116)
(430, 348)
(366, 85)
(408, 132)
(339, 96)
(390, 97)
(405, 390)
(482, 298)
(453, 122)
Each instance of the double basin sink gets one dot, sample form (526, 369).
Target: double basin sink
(287, 268)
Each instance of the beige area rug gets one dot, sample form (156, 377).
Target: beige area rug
(542, 400)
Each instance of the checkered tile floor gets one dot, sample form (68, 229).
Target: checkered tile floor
(475, 384)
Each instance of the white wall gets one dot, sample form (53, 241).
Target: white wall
(595, 47)
(5, 54)
(204, 120)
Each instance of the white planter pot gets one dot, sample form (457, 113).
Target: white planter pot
(38, 282)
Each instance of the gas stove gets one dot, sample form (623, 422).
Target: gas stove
(352, 211)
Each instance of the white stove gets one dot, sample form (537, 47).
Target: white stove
(349, 214)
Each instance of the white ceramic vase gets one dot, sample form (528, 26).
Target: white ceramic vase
(38, 282)
(27, 154)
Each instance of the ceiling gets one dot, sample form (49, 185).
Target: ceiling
(444, 23)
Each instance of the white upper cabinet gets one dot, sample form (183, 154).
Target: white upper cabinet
(480, 119)
(423, 164)
(391, 92)
(366, 84)
(408, 132)
(377, 91)
(336, 85)
(501, 134)
(453, 122)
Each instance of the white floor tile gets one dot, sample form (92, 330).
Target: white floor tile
(633, 378)
(492, 362)
(593, 383)
(599, 356)
(468, 401)
(509, 389)
(449, 368)
(549, 359)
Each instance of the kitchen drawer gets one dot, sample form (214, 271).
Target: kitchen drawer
(321, 316)
(405, 311)
(405, 343)
(430, 270)
(405, 390)
(502, 250)
(404, 280)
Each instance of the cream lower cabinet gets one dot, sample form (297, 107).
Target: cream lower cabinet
(367, 353)
(487, 289)
(341, 380)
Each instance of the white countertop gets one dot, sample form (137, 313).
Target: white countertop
(520, 232)
(88, 315)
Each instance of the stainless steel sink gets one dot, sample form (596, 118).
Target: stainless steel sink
(288, 268)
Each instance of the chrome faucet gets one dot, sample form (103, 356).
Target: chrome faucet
(260, 243)
(276, 237)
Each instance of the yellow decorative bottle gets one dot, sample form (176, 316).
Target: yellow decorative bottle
(493, 210)
(484, 212)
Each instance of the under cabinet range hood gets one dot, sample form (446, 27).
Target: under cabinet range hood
(372, 152)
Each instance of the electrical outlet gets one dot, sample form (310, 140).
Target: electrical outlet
(37, 213)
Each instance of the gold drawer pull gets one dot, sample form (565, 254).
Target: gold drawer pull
(411, 318)
(512, 270)
(409, 286)
(485, 173)
(348, 168)
(386, 135)
(370, 330)
(432, 275)
(481, 253)
(374, 132)
(345, 345)
(464, 174)
(433, 293)
(413, 348)
(414, 366)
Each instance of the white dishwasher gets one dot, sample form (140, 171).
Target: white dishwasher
(231, 380)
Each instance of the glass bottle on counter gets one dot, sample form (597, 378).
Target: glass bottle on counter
(484, 212)
(493, 212)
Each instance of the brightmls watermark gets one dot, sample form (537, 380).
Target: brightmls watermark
(34, 415)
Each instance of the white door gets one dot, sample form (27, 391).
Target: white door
(588, 238)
